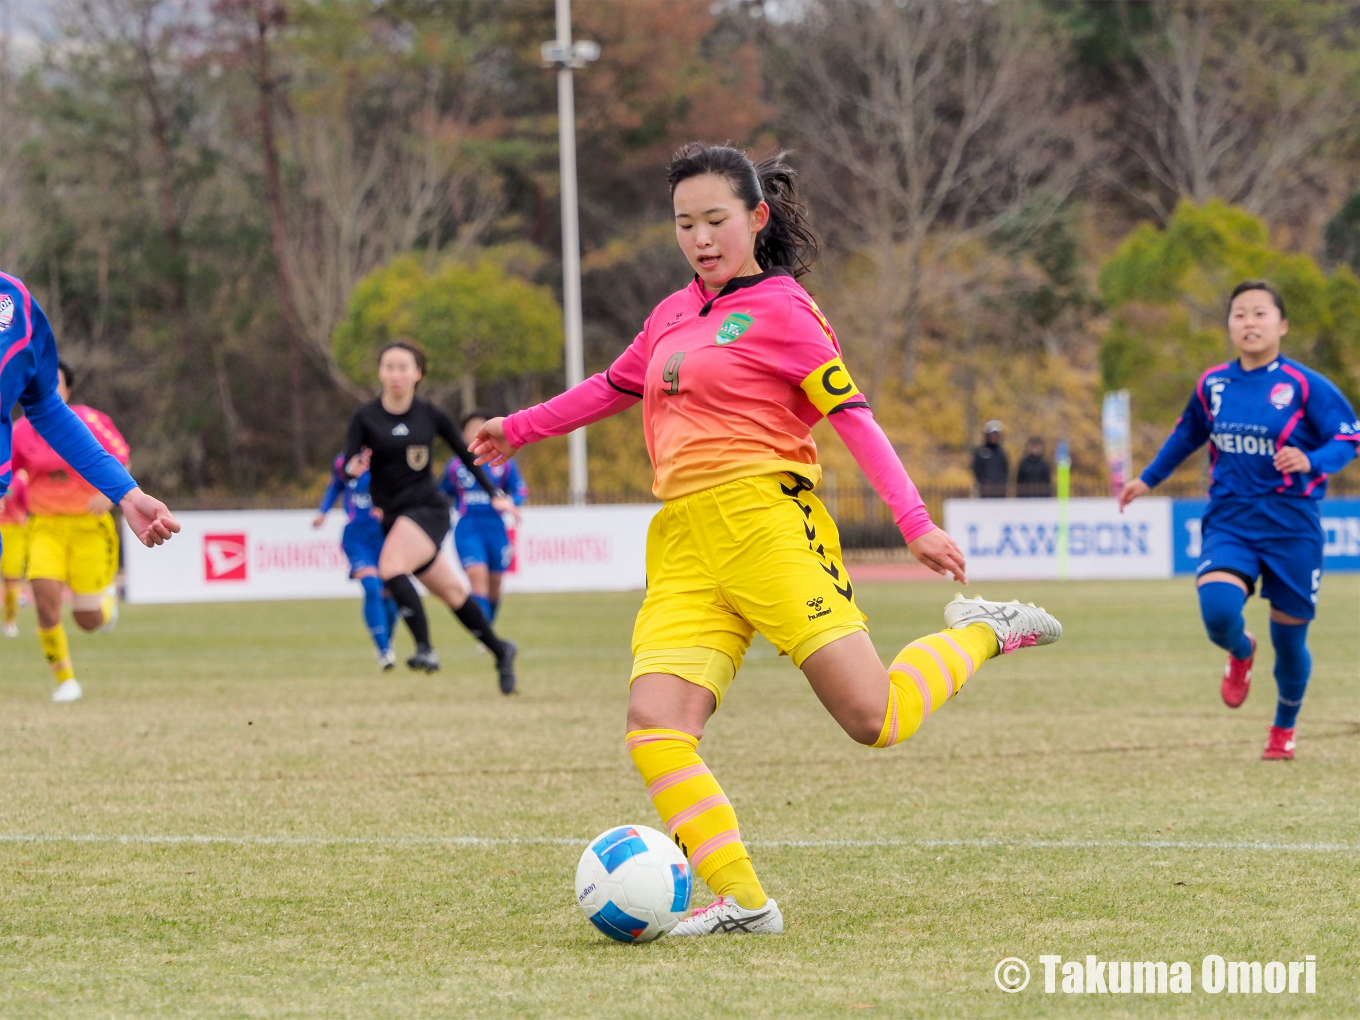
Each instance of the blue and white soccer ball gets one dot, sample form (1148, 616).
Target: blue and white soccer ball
(633, 883)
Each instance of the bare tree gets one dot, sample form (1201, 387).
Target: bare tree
(364, 197)
(1234, 101)
(932, 125)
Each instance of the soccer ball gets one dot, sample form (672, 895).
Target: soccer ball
(633, 883)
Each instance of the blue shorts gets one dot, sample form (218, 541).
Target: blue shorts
(482, 541)
(1279, 540)
(362, 543)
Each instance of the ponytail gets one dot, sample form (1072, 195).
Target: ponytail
(788, 240)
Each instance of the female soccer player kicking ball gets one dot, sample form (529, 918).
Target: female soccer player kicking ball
(1277, 429)
(733, 371)
(29, 376)
(391, 437)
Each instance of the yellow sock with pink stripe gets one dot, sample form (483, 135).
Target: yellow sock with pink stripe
(696, 812)
(930, 671)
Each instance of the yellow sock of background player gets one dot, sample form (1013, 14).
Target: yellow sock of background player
(696, 812)
(930, 671)
(58, 652)
(11, 602)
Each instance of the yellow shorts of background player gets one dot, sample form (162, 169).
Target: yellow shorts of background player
(13, 551)
(80, 550)
(757, 554)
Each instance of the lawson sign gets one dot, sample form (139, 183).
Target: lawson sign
(1340, 530)
(1155, 537)
(1018, 538)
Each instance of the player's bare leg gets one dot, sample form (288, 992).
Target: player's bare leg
(47, 597)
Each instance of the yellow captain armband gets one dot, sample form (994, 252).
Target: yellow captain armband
(829, 386)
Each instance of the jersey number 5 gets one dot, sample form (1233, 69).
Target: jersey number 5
(670, 375)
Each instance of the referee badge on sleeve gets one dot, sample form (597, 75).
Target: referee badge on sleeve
(417, 457)
(829, 386)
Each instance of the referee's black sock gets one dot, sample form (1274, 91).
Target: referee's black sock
(470, 615)
(404, 594)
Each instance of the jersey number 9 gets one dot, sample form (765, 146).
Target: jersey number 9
(670, 375)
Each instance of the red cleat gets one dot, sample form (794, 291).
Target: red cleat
(1237, 677)
(1280, 746)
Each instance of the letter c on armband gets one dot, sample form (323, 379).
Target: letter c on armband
(829, 385)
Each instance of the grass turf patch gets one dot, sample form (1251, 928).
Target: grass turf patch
(269, 722)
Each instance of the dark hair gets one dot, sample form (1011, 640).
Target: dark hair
(788, 240)
(474, 413)
(67, 374)
(1247, 285)
(411, 347)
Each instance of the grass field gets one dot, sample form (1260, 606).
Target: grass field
(403, 846)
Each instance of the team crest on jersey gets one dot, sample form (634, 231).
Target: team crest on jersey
(6, 311)
(417, 457)
(1282, 395)
(732, 328)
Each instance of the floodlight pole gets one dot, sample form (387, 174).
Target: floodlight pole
(565, 55)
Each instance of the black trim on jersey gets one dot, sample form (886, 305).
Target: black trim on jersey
(849, 405)
(616, 386)
(740, 282)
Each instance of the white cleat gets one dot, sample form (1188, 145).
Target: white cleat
(386, 660)
(724, 917)
(1016, 624)
(11, 629)
(67, 691)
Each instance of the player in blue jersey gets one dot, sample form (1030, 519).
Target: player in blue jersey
(28, 377)
(362, 542)
(480, 536)
(1276, 430)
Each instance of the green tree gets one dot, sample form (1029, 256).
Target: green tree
(1167, 294)
(477, 322)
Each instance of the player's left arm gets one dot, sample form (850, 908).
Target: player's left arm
(515, 484)
(1331, 414)
(812, 360)
(446, 428)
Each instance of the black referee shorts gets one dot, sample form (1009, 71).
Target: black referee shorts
(431, 518)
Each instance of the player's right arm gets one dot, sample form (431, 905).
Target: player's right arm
(607, 393)
(332, 492)
(1192, 431)
(149, 518)
(355, 459)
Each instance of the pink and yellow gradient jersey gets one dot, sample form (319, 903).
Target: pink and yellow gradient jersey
(14, 503)
(54, 488)
(732, 385)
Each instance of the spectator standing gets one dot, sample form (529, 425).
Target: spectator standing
(991, 467)
(1034, 474)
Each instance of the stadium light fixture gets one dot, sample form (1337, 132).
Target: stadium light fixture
(566, 56)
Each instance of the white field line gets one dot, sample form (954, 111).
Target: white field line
(799, 844)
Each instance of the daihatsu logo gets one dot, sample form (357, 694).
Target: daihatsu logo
(224, 557)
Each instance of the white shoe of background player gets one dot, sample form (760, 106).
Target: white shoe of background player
(67, 691)
(1015, 624)
(11, 629)
(724, 917)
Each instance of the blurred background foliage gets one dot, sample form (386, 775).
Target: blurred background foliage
(226, 206)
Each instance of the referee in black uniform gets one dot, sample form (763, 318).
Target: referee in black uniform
(391, 437)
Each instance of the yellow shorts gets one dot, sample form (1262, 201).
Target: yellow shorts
(80, 550)
(757, 554)
(13, 550)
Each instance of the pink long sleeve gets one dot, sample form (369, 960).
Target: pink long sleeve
(583, 404)
(865, 440)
